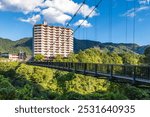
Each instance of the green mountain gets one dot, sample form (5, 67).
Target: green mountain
(7, 45)
(25, 44)
(109, 47)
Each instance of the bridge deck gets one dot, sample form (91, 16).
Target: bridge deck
(81, 68)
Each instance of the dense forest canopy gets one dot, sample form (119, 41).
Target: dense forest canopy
(96, 55)
(26, 82)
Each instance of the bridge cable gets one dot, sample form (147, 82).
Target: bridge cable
(68, 24)
(110, 21)
(96, 6)
(134, 23)
(126, 33)
(76, 13)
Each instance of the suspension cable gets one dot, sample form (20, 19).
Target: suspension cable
(62, 32)
(110, 21)
(134, 25)
(68, 24)
(126, 33)
(76, 13)
(96, 6)
(88, 16)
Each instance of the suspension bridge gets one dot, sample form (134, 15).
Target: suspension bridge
(136, 74)
(131, 73)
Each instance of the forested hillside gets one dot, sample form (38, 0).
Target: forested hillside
(25, 82)
(10, 46)
(25, 45)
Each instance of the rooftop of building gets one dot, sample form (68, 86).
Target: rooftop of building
(52, 26)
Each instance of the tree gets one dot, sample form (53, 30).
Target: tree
(130, 58)
(38, 57)
(58, 58)
(147, 56)
(7, 90)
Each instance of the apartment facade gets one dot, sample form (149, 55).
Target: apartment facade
(51, 41)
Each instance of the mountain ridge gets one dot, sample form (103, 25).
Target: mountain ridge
(25, 44)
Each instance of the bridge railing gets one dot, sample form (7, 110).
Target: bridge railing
(131, 72)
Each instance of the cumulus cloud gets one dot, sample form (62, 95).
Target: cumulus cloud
(32, 20)
(133, 12)
(144, 2)
(69, 6)
(24, 6)
(53, 15)
(53, 11)
(84, 24)
(65, 6)
(85, 10)
(60, 11)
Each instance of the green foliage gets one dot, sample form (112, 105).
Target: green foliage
(147, 56)
(134, 93)
(14, 47)
(7, 90)
(38, 57)
(21, 81)
(96, 55)
(130, 58)
(25, 45)
(58, 58)
(147, 51)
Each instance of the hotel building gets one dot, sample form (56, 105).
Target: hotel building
(51, 41)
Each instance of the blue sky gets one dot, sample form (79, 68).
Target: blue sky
(18, 17)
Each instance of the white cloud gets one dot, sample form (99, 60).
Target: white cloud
(65, 6)
(144, 2)
(85, 10)
(85, 24)
(133, 12)
(53, 15)
(60, 11)
(69, 6)
(24, 6)
(54, 11)
(31, 20)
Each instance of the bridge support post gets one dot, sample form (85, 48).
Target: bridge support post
(124, 70)
(111, 72)
(85, 68)
(96, 66)
(75, 67)
(134, 75)
(148, 72)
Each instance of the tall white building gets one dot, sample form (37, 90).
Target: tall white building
(51, 41)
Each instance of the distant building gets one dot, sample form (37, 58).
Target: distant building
(14, 57)
(51, 41)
